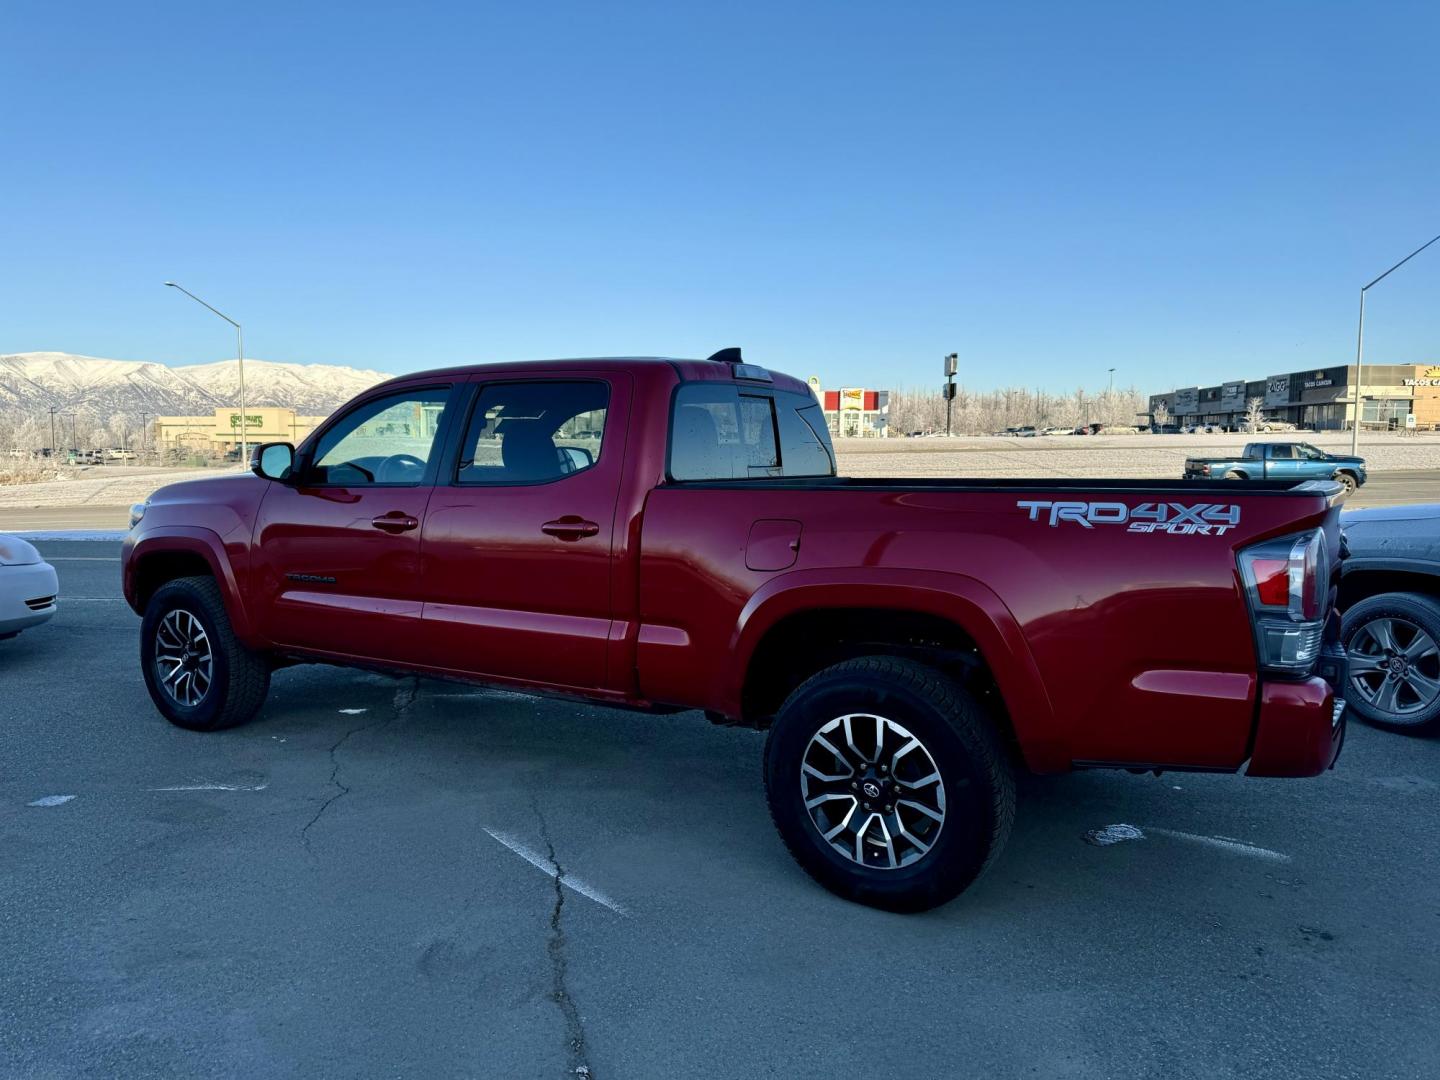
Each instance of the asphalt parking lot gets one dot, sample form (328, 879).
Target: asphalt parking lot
(361, 883)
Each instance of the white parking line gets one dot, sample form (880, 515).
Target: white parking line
(213, 787)
(1119, 834)
(1226, 843)
(540, 862)
(71, 534)
(80, 558)
(51, 800)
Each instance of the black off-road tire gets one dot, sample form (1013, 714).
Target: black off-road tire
(240, 679)
(1416, 609)
(976, 775)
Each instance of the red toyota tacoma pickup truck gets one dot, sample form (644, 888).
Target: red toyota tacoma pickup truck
(671, 534)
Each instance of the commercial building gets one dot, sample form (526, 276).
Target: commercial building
(1321, 399)
(854, 412)
(213, 436)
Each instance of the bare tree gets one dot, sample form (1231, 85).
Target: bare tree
(1254, 413)
(995, 410)
(1161, 416)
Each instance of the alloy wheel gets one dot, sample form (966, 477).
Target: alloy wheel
(873, 791)
(184, 661)
(1395, 666)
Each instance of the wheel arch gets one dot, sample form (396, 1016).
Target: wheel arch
(157, 557)
(1374, 579)
(801, 623)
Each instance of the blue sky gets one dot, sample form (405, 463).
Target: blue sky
(1185, 192)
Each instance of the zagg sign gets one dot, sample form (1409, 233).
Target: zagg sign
(1175, 519)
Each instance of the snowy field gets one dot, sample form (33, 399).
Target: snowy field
(1078, 456)
(1094, 457)
(102, 485)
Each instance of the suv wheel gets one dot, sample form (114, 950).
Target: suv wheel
(888, 783)
(198, 674)
(1393, 644)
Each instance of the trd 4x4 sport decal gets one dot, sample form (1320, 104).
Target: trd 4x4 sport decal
(1177, 519)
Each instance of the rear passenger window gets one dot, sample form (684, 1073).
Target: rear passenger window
(533, 432)
(720, 432)
(717, 433)
(805, 448)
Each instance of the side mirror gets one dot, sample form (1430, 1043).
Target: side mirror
(273, 461)
(575, 458)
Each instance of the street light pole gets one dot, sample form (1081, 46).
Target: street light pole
(952, 361)
(1360, 341)
(240, 359)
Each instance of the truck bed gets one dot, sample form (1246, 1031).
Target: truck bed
(1002, 485)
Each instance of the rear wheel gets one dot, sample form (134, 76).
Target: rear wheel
(888, 783)
(198, 674)
(1234, 475)
(1393, 646)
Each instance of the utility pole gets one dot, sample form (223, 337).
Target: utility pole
(952, 362)
(53, 448)
(1360, 341)
(240, 359)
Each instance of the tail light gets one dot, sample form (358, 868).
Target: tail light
(1286, 586)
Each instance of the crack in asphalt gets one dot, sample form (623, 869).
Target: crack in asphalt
(399, 706)
(557, 946)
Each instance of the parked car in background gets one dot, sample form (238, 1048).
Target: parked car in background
(1280, 461)
(909, 644)
(1390, 597)
(29, 589)
(1267, 426)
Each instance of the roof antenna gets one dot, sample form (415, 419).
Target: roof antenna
(728, 356)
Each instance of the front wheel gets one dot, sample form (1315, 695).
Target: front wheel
(1348, 481)
(198, 674)
(1392, 644)
(888, 783)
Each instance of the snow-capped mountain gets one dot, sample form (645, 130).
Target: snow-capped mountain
(31, 383)
(309, 389)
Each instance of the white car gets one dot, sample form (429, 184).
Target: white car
(29, 588)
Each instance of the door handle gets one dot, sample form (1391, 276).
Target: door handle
(397, 521)
(570, 527)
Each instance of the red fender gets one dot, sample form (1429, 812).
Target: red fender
(167, 540)
(964, 601)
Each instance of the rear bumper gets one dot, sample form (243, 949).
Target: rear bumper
(1300, 730)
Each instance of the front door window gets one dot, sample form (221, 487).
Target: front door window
(386, 441)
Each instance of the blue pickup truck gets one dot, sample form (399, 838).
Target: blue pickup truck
(1280, 461)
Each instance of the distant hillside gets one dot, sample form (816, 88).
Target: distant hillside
(106, 390)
